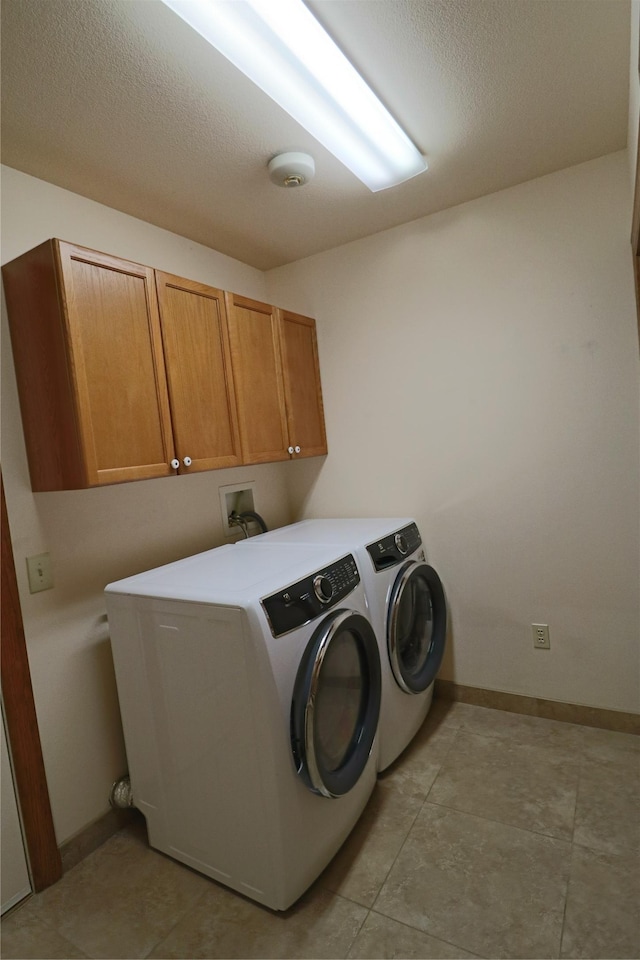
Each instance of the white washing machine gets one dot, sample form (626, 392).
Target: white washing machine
(249, 684)
(408, 612)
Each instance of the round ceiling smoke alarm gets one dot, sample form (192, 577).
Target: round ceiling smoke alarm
(291, 169)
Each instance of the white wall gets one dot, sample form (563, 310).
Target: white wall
(96, 536)
(480, 372)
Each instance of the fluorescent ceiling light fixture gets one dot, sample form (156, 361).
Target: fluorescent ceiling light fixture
(281, 47)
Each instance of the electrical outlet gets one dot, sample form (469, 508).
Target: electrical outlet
(39, 572)
(541, 639)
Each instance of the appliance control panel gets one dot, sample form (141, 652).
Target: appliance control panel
(307, 599)
(395, 547)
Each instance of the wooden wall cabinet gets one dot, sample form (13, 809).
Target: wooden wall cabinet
(277, 377)
(128, 373)
(87, 336)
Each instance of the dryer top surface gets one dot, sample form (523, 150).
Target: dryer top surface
(340, 531)
(231, 576)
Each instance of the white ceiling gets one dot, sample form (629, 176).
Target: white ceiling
(119, 101)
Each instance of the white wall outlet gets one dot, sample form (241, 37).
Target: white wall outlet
(238, 497)
(541, 639)
(39, 572)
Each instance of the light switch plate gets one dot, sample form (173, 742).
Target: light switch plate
(40, 572)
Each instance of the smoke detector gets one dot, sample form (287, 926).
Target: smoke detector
(291, 169)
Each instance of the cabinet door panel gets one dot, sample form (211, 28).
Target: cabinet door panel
(301, 375)
(255, 352)
(198, 364)
(118, 366)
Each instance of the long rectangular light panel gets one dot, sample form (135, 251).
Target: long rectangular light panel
(283, 49)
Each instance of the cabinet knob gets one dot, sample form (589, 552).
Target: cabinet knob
(187, 461)
(290, 450)
(175, 463)
(297, 449)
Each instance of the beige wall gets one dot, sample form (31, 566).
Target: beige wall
(96, 536)
(480, 372)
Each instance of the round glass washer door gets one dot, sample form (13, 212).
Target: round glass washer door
(336, 704)
(416, 626)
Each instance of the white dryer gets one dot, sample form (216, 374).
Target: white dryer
(249, 684)
(408, 611)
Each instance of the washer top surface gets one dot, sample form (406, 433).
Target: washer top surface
(231, 576)
(344, 532)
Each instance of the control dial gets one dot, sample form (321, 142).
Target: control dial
(401, 544)
(323, 588)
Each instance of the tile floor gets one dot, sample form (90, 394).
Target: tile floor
(494, 835)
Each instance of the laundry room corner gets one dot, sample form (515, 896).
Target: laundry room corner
(481, 370)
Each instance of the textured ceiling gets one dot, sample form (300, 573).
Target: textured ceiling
(120, 101)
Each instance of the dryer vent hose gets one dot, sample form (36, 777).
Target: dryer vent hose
(121, 796)
(243, 519)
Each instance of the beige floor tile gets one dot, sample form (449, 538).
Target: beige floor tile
(493, 889)
(417, 767)
(607, 817)
(451, 713)
(360, 867)
(224, 924)
(529, 786)
(603, 906)
(524, 729)
(619, 750)
(25, 937)
(384, 939)
(121, 899)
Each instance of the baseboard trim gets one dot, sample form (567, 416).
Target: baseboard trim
(91, 837)
(537, 707)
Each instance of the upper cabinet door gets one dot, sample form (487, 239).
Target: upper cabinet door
(198, 364)
(255, 354)
(301, 376)
(117, 365)
(88, 355)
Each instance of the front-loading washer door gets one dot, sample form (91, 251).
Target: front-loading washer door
(336, 703)
(416, 626)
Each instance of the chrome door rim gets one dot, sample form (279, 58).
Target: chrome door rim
(309, 713)
(408, 571)
(303, 722)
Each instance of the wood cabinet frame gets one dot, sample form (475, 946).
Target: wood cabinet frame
(635, 235)
(43, 855)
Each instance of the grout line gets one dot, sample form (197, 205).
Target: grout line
(502, 823)
(182, 916)
(48, 924)
(364, 919)
(566, 900)
(400, 849)
(454, 741)
(409, 926)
